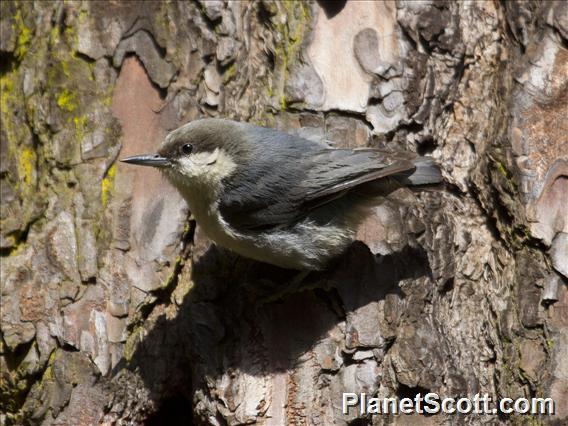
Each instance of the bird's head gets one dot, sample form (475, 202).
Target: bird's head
(199, 153)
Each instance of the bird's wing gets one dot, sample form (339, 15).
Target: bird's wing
(281, 194)
(338, 170)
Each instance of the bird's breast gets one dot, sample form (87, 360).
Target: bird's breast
(303, 246)
(205, 210)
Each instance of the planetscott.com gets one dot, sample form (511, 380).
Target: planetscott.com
(431, 403)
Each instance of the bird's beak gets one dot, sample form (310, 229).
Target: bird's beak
(153, 160)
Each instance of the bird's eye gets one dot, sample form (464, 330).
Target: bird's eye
(186, 148)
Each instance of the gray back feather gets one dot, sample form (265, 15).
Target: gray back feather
(286, 177)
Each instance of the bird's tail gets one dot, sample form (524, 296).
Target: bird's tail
(426, 172)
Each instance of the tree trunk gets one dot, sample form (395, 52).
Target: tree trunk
(117, 310)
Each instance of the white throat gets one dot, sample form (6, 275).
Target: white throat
(198, 178)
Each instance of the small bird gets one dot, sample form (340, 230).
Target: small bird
(275, 197)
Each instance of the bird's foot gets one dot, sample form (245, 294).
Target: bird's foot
(298, 283)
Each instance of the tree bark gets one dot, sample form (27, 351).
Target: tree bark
(117, 310)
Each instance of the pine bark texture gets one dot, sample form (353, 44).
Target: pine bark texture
(117, 310)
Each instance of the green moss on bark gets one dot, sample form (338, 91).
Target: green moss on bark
(107, 185)
(48, 97)
(24, 35)
(292, 23)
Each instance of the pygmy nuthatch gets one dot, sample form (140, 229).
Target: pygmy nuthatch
(275, 197)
